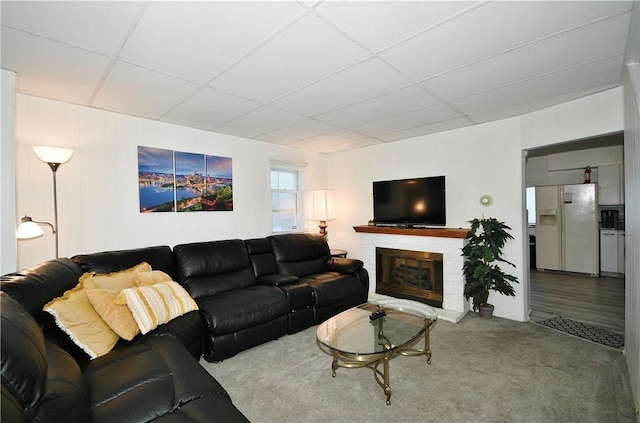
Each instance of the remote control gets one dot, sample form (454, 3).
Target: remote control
(377, 314)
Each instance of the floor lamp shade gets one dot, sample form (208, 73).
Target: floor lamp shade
(53, 154)
(28, 229)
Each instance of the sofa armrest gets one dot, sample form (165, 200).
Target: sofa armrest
(343, 265)
(278, 279)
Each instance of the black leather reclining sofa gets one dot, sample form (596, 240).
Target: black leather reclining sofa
(248, 292)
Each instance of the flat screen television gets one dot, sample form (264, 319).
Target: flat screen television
(410, 202)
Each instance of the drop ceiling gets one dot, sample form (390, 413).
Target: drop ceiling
(322, 76)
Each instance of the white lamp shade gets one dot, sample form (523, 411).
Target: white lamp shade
(53, 154)
(29, 230)
(321, 205)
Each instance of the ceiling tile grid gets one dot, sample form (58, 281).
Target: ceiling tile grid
(324, 76)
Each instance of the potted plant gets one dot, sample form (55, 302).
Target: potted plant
(483, 251)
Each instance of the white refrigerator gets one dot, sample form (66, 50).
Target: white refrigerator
(567, 230)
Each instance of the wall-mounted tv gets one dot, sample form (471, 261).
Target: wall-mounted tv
(410, 202)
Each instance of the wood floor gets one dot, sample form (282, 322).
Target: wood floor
(598, 301)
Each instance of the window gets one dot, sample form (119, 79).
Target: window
(286, 205)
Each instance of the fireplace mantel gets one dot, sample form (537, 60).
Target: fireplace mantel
(459, 233)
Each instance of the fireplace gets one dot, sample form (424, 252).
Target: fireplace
(415, 275)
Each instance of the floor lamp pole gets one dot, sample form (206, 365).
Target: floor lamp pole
(54, 168)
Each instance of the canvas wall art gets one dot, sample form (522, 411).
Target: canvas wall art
(156, 180)
(184, 182)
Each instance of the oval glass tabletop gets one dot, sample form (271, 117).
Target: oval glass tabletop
(355, 332)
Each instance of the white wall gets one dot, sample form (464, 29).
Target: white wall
(632, 221)
(98, 189)
(482, 159)
(7, 175)
(597, 114)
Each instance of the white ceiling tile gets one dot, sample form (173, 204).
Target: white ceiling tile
(426, 129)
(325, 140)
(99, 26)
(488, 30)
(303, 53)
(416, 118)
(524, 108)
(379, 24)
(605, 38)
(197, 40)
(259, 121)
(209, 108)
(350, 145)
(306, 128)
(596, 74)
(50, 69)
(364, 80)
(381, 107)
(138, 91)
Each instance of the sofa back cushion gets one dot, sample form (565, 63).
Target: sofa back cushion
(36, 286)
(209, 268)
(38, 377)
(159, 257)
(24, 358)
(299, 254)
(261, 257)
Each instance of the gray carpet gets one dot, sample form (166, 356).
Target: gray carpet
(482, 371)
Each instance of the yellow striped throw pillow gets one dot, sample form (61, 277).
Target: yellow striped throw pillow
(157, 304)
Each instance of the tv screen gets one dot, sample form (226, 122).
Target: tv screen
(410, 202)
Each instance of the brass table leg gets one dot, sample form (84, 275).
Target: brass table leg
(386, 387)
(334, 364)
(427, 348)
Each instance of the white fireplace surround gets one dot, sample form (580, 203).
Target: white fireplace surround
(454, 305)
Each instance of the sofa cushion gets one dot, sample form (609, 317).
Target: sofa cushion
(209, 268)
(24, 358)
(300, 254)
(232, 311)
(154, 378)
(75, 315)
(42, 378)
(261, 256)
(36, 286)
(157, 304)
(66, 398)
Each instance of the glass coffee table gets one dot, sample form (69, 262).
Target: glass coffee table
(375, 332)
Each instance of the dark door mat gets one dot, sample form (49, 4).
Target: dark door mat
(584, 331)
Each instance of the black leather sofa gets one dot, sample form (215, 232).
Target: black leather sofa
(248, 292)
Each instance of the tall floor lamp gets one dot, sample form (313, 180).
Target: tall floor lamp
(322, 208)
(54, 157)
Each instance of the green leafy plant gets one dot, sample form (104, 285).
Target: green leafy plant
(483, 252)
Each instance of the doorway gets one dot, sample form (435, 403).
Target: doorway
(594, 300)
